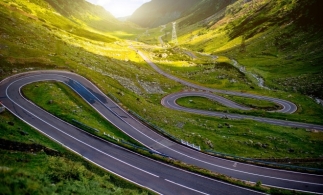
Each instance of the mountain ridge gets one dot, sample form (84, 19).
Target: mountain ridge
(156, 12)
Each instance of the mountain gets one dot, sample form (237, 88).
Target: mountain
(281, 41)
(159, 12)
(78, 11)
(123, 19)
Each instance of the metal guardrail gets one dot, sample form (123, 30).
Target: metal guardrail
(122, 141)
(145, 149)
(155, 127)
(227, 156)
(260, 162)
(166, 133)
(113, 98)
(85, 126)
(191, 145)
(111, 137)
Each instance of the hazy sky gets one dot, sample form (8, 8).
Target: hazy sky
(119, 8)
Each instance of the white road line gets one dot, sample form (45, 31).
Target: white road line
(80, 140)
(187, 155)
(140, 132)
(79, 153)
(104, 167)
(193, 157)
(186, 187)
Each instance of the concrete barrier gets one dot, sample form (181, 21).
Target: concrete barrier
(2, 109)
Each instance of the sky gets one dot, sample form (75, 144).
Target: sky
(119, 8)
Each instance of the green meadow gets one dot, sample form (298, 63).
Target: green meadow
(45, 35)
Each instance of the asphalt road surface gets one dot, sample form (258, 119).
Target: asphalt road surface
(151, 174)
(170, 102)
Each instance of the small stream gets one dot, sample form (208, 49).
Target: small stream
(260, 80)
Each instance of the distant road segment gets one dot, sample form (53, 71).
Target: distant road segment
(170, 102)
(151, 174)
(148, 173)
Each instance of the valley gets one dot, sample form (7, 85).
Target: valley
(238, 52)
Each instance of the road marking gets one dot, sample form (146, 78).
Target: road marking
(235, 164)
(155, 140)
(190, 156)
(80, 140)
(186, 187)
(80, 154)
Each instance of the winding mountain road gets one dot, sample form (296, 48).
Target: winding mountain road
(141, 170)
(170, 102)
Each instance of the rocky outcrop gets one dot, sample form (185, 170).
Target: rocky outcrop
(23, 147)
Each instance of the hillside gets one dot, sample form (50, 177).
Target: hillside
(37, 35)
(278, 40)
(80, 11)
(159, 12)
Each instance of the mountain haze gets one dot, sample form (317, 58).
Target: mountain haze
(278, 40)
(270, 48)
(159, 12)
(80, 10)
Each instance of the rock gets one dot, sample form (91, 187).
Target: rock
(225, 117)
(120, 93)
(233, 81)
(23, 133)
(164, 55)
(265, 145)
(2, 109)
(315, 131)
(312, 130)
(209, 143)
(180, 125)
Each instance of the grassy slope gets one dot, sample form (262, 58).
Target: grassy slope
(207, 104)
(261, 36)
(69, 106)
(119, 71)
(220, 74)
(39, 173)
(265, 45)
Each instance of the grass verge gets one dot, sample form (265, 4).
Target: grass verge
(31, 172)
(246, 138)
(40, 173)
(59, 100)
